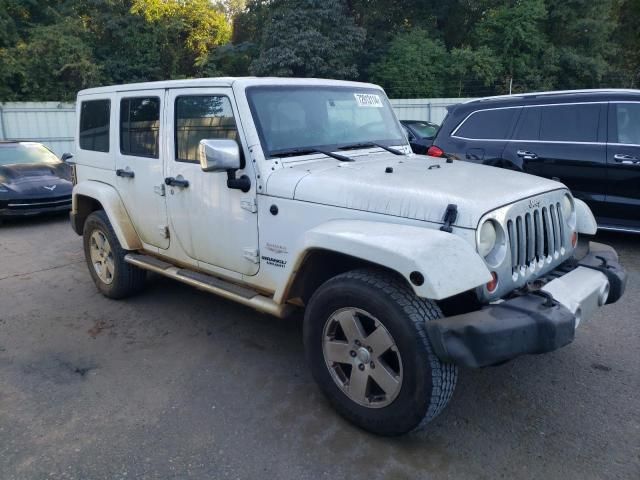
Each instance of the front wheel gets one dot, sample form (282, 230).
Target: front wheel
(366, 344)
(114, 277)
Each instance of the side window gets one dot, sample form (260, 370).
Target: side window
(139, 126)
(488, 124)
(528, 127)
(201, 117)
(94, 125)
(570, 123)
(628, 122)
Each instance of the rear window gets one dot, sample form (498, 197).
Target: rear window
(139, 126)
(94, 125)
(488, 124)
(628, 122)
(569, 123)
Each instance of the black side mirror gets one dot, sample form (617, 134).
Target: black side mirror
(66, 157)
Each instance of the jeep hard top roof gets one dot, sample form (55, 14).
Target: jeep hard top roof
(242, 82)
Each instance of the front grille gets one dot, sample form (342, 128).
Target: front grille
(39, 203)
(536, 236)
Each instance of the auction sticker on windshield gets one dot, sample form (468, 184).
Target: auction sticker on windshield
(368, 100)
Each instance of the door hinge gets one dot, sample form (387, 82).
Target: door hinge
(252, 254)
(160, 190)
(249, 205)
(164, 230)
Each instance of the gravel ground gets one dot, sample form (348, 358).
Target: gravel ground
(175, 383)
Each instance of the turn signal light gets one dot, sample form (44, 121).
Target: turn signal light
(493, 284)
(434, 151)
(574, 239)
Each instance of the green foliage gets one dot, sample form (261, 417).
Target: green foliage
(412, 51)
(49, 49)
(309, 38)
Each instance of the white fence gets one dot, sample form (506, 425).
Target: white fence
(50, 123)
(53, 123)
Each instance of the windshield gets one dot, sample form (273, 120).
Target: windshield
(300, 118)
(424, 129)
(13, 153)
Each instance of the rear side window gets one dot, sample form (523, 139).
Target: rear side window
(202, 117)
(570, 123)
(94, 125)
(139, 126)
(627, 118)
(488, 124)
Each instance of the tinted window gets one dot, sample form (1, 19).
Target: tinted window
(489, 124)
(94, 125)
(570, 123)
(528, 125)
(628, 121)
(139, 126)
(199, 118)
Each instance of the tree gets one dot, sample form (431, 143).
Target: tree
(514, 33)
(584, 43)
(309, 38)
(413, 66)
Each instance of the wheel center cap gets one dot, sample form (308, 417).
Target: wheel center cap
(363, 355)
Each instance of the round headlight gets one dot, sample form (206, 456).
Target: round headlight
(487, 238)
(567, 207)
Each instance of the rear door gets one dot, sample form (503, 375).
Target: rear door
(565, 142)
(139, 159)
(623, 160)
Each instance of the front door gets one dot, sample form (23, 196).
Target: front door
(139, 160)
(565, 142)
(215, 225)
(623, 160)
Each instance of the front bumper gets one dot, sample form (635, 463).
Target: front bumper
(20, 208)
(540, 319)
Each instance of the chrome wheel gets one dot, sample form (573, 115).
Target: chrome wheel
(362, 357)
(101, 256)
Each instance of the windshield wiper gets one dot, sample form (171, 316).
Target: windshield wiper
(371, 144)
(305, 151)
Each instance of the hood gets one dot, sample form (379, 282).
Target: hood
(419, 187)
(37, 179)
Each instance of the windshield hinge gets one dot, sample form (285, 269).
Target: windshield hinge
(249, 205)
(252, 254)
(450, 216)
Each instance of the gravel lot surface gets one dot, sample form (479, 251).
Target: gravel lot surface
(176, 383)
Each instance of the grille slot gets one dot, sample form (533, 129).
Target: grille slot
(535, 236)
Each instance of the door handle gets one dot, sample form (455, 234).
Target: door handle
(626, 159)
(126, 173)
(176, 182)
(526, 155)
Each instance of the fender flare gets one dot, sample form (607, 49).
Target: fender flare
(585, 221)
(448, 263)
(112, 204)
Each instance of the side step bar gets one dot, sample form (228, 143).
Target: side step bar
(211, 284)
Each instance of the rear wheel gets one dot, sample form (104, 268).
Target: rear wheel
(114, 277)
(366, 344)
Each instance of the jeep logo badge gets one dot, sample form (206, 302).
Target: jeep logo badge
(534, 203)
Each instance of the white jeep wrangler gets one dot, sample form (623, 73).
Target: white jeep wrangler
(288, 193)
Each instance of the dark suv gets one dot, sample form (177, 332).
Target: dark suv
(587, 139)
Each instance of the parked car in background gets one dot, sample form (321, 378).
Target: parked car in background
(33, 180)
(587, 139)
(420, 134)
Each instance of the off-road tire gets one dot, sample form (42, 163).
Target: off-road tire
(427, 383)
(127, 279)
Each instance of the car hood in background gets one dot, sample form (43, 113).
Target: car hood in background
(37, 179)
(419, 187)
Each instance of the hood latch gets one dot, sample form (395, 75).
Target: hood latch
(450, 216)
